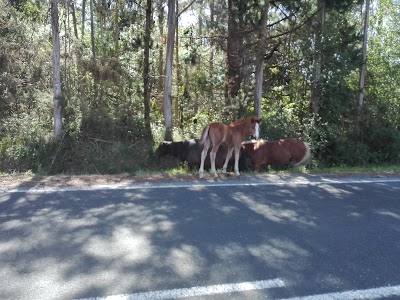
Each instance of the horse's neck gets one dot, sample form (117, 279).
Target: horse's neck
(239, 130)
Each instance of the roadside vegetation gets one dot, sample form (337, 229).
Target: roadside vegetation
(112, 77)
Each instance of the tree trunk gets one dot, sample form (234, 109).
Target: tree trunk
(259, 75)
(116, 20)
(161, 46)
(210, 90)
(167, 103)
(146, 67)
(74, 21)
(178, 82)
(83, 17)
(92, 32)
(57, 96)
(212, 22)
(79, 60)
(363, 70)
(95, 101)
(317, 67)
(234, 55)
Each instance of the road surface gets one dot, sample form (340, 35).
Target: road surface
(310, 237)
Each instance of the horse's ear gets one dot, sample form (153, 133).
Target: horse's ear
(255, 120)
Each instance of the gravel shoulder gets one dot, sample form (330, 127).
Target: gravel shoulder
(12, 181)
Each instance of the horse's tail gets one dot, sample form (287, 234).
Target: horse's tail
(306, 157)
(204, 134)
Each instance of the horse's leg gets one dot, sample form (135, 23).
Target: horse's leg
(203, 157)
(213, 154)
(227, 159)
(237, 153)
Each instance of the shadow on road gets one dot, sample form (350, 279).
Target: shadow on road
(78, 244)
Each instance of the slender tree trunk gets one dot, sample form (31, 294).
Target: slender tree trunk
(178, 82)
(83, 107)
(83, 17)
(234, 54)
(363, 70)
(161, 46)
(210, 90)
(101, 8)
(95, 101)
(317, 72)
(167, 107)
(146, 68)
(74, 21)
(212, 16)
(57, 96)
(66, 49)
(259, 75)
(116, 22)
(92, 32)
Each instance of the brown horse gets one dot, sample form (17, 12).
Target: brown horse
(232, 135)
(280, 152)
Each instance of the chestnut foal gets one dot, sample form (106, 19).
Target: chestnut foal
(232, 135)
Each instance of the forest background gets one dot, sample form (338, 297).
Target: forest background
(92, 86)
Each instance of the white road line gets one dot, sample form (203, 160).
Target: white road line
(205, 184)
(198, 291)
(371, 294)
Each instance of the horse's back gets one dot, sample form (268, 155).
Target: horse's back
(275, 153)
(175, 149)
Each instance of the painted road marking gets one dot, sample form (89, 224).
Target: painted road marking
(199, 291)
(375, 293)
(197, 185)
(371, 294)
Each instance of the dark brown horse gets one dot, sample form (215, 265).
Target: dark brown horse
(232, 135)
(280, 152)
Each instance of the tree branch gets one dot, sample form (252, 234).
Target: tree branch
(185, 9)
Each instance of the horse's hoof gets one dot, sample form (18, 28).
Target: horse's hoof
(224, 171)
(237, 173)
(215, 175)
(201, 175)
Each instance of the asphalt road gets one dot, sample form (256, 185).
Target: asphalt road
(247, 239)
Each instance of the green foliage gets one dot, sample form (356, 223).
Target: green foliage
(107, 151)
(103, 95)
(283, 118)
(97, 156)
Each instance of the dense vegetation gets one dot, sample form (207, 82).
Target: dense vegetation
(113, 57)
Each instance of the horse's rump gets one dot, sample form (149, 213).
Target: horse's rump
(306, 158)
(216, 132)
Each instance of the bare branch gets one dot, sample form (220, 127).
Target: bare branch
(186, 8)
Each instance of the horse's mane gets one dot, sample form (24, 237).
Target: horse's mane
(242, 121)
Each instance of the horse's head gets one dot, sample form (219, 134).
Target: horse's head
(255, 127)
